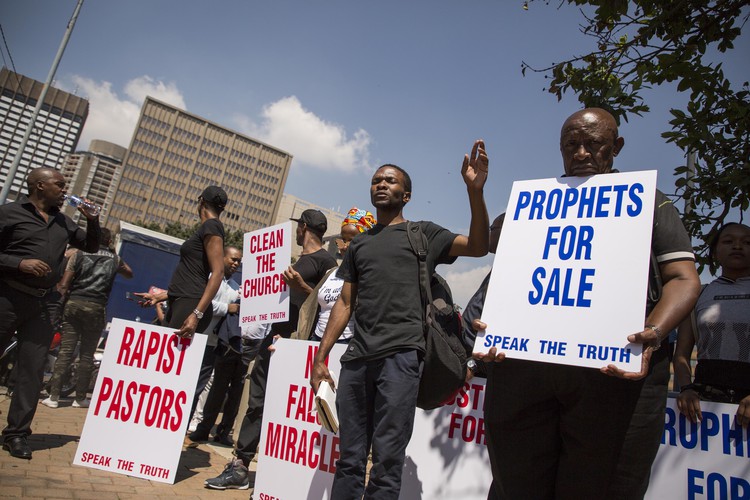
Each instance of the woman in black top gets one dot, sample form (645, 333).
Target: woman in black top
(191, 290)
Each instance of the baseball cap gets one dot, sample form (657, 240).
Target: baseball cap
(314, 219)
(215, 195)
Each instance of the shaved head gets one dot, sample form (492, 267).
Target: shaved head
(589, 142)
(38, 175)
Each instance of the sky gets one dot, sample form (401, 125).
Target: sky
(345, 86)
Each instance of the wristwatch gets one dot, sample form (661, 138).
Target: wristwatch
(471, 365)
(198, 314)
(687, 387)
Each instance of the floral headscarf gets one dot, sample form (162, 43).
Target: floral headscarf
(361, 219)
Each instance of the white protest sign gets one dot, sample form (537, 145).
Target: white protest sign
(570, 273)
(293, 443)
(264, 295)
(138, 415)
(710, 460)
(447, 455)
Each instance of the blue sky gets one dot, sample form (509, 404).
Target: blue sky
(344, 86)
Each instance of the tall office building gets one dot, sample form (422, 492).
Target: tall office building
(94, 174)
(174, 155)
(56, 132)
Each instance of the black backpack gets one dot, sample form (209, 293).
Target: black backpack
(445, 356)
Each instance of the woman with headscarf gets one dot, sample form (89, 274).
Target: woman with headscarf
(327, 291)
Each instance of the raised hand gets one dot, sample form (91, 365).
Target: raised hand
(476, 166)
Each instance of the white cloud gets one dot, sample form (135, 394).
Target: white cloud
(312, 140)
(112, 117)
(464, 283)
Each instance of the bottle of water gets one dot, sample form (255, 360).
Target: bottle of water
(76, 201)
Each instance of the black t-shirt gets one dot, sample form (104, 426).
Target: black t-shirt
(312, 267)
(388, 313)
(191, 275)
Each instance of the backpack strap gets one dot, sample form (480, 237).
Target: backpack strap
(418, 244)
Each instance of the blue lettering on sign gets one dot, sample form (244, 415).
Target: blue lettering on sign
(716, 486)
(551, 293)
(604, 353)
(602, 201)
(552, 347)
(571, 240)
(637, 206)
(506, 343)
(680, 431)
(590, 202)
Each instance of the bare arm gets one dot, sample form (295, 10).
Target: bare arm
(124, 270)
(474, 171)
(688, 401)
(679, 294)
(214, 247)
(294, 280)
(337, 321)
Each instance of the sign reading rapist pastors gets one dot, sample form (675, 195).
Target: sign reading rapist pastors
(264, 295)
(570, 274)
(139, 410)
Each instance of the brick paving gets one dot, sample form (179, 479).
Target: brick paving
(50, 473)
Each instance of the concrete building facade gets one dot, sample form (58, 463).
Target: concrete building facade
(57, 128)
(95, 175)
(174, 155)
(292, 207)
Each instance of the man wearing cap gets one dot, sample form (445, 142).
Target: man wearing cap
(301, 279)
(33, 236)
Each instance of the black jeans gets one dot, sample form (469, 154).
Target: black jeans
(30, 317)
(376, 402)
(249, 437)
(230, 368)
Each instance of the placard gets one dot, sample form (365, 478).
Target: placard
(570, 273)
(708, 460)
(139, 409)
(293, 442)
(264, 295)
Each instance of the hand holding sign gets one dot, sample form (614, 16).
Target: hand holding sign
(651, 341)
(492, 355)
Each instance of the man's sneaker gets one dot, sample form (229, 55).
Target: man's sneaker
(81, 404)
(50, 403)
(235, 476)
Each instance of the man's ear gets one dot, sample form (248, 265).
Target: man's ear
(406, 197)
(619, 144)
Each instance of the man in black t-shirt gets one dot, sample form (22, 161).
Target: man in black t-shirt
(380, 370)
(301, 279)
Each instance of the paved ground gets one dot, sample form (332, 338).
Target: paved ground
(50, 474)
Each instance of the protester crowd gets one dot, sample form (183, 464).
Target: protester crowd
(553, 430)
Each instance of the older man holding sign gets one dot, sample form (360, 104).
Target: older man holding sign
(570, 300)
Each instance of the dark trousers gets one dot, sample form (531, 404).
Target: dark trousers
(84, 321)
(30, 317)
(230, 368)
(249, 437)
(376, 402)
(643, 437)
(179, 309)
(555, 431)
